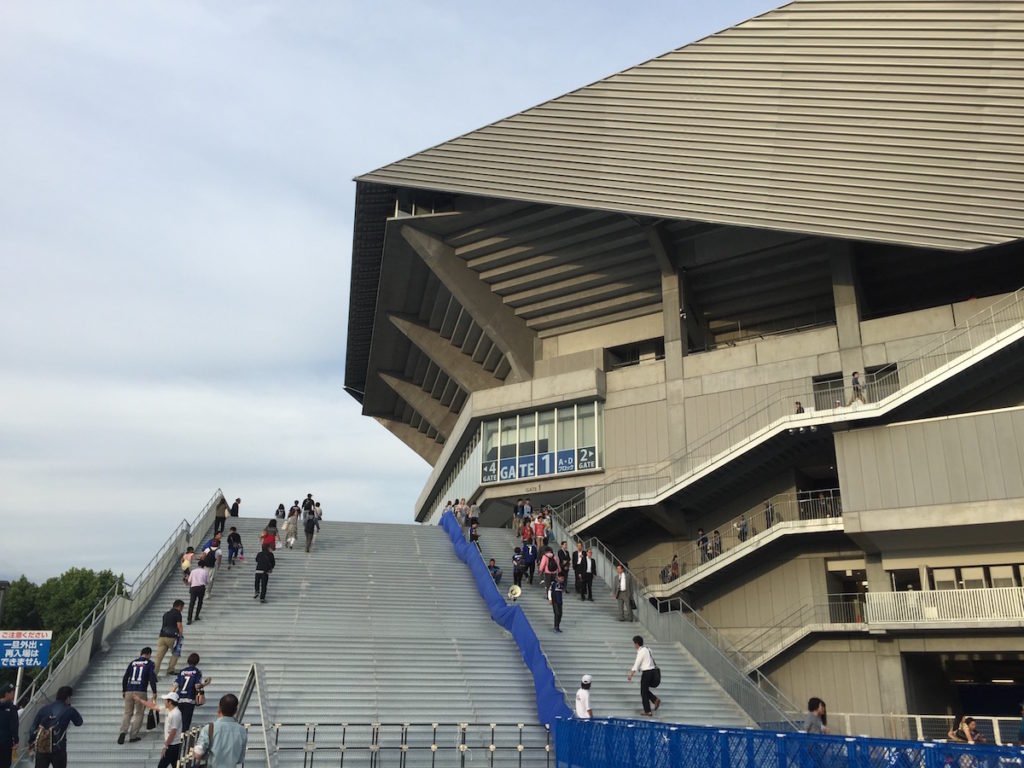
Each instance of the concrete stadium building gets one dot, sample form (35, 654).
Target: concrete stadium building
(643, 303)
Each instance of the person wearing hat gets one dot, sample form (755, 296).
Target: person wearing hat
(172, 729)
(583, 710)
(8, 725)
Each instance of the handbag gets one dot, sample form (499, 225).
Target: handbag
(655, 673)
(200, 698)
(152, 720)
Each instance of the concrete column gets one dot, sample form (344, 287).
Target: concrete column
(675, 349)
(442, 419)
(878, 579)
(461, 368)
(498, 321)
(891, 685)
(844, 294)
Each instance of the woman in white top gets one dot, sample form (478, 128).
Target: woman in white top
(646, 666)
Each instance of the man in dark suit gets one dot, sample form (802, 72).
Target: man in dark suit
(589, 572)
(579, 562)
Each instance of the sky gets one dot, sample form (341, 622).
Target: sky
(176, 203)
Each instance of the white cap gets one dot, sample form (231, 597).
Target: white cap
(587, 679)
(172, 695)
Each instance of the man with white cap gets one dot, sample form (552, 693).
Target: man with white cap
(583, 710)
(172, 729)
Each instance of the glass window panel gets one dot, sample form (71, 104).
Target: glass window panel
(508, 437)
(490, 440)
(585, 425)
(545, 431)
(527, 434)
(566, 429)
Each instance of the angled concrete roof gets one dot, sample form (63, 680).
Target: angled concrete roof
(900, 122)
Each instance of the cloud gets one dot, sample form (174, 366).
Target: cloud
(97, 472)
(175, 236)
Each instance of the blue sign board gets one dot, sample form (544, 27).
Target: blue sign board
(507, 469)
(24, 648)
(546, 463)
(567, 460)
(527, 466)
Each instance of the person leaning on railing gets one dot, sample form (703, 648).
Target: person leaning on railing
(965, 730)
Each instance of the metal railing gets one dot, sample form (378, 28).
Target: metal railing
(748, 530)
(757, 696)
(766, 643)
(996, 730)
(140, 589)
(645, 483)
(984, 604)
(407, 744)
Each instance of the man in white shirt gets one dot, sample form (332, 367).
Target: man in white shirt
(583, 710)
(645, 664)
(198, 578)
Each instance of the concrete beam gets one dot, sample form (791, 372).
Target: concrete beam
(426, 406)
(498, 321)
(427, 449)
(467, 374)
(663, 248)
(844, 293)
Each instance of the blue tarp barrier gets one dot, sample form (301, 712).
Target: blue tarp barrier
(550, 701)
(621, 743)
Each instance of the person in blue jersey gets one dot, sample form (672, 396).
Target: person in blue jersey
(51, 724)
(556, 593)
(530, 559)
(189, 685)
(140, 675)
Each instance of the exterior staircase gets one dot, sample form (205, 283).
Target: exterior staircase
(378, 624)
(593, 641)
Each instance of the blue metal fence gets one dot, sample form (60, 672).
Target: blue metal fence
(617, 743)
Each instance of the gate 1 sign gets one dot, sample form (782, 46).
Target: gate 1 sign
(24, 648)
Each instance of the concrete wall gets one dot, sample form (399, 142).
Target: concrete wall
(970, 465)
(636, 426)
(844, 671)
(767, 591)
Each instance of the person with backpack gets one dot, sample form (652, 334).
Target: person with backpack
(8, 725)
(140, 675)
(49, 734)
(235, 548)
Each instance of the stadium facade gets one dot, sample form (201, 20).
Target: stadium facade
(644, 303)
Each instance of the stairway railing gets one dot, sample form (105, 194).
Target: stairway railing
(761, 699)
(748, 530)
(645, 483)
(116, 608)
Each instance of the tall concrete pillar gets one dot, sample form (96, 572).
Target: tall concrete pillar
(892, 687)
(844, 294)
(673, 305)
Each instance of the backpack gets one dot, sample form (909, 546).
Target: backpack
(44, 735)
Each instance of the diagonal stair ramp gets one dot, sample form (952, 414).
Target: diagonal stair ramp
(954, 353)
(379, 624)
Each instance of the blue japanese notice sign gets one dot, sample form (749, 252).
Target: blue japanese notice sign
(25, 648)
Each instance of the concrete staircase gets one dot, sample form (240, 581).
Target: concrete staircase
(380, 623)
(593, 641)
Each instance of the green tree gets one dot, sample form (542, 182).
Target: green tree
(59, 604)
